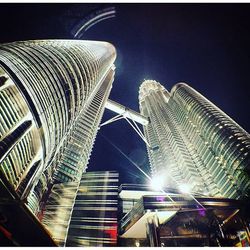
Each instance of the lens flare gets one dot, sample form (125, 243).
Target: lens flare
(157, 183)
(184, 188)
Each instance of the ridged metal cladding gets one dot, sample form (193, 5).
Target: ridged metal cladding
(58, 76)
(227, 144)
(147, 87)
(44, 85)
(194, 142)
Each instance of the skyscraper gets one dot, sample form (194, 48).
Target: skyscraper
(52, 97)
(193, 144)
(75, 158)
(85, 213)
(94, 217)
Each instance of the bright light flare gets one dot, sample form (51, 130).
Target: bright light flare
(157, 183)
(184, 188)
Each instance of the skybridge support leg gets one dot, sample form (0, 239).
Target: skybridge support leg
(126, 113)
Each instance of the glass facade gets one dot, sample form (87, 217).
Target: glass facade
(73, 163)
(20, 149)
(94, 217)
(76, 152)
(194, 143)
(52, 95)
(85, 213)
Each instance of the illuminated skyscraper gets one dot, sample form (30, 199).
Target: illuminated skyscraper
(52, 97)
(193, 144)
(85, 213)
(94, 216)
(57, 217)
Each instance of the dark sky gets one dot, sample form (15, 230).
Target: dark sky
(205, 45)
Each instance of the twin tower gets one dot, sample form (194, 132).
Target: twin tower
(52, 97)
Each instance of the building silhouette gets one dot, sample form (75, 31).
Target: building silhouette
(194, 146)
(52, 97)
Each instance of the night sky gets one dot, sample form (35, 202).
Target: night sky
(205, 45)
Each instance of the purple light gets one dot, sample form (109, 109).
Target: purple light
(160, 198)
(202, 212)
